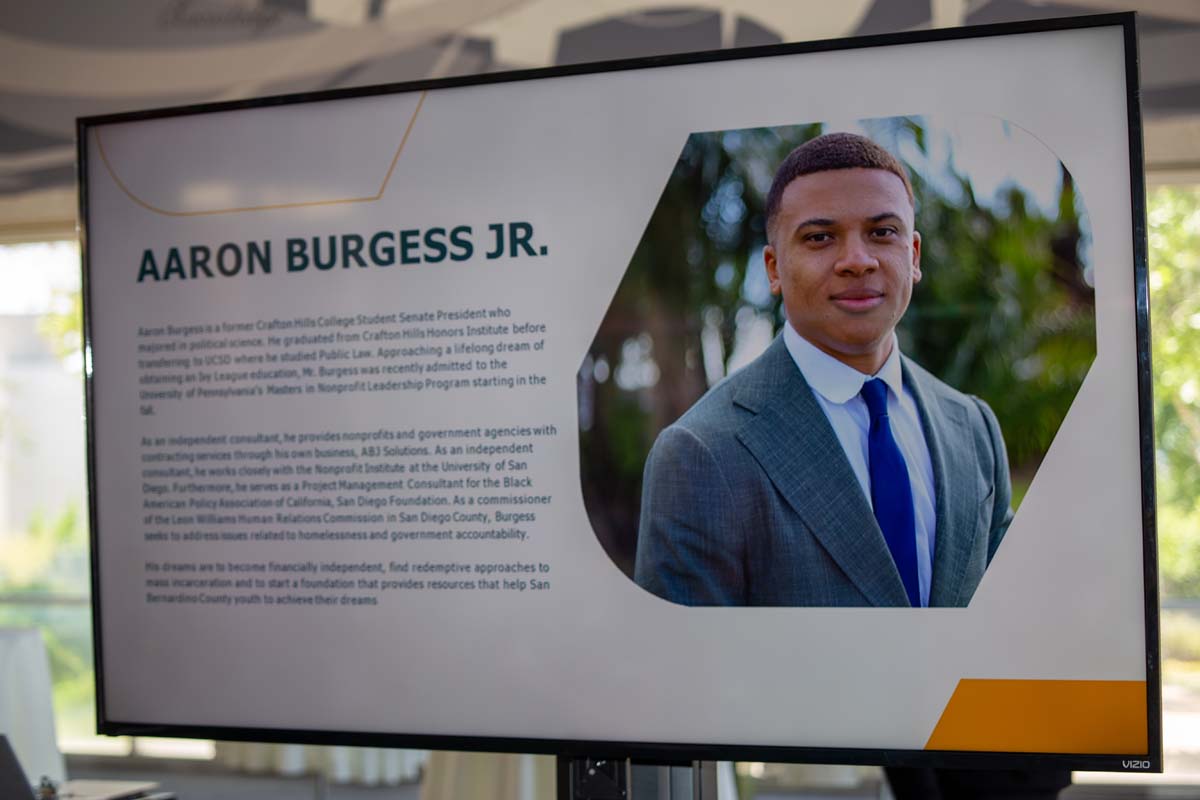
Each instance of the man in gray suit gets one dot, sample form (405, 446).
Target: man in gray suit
(832, 470)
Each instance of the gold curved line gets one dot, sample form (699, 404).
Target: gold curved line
(271, 207)
(403, 141)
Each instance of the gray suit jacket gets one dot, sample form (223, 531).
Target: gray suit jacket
(749, 499)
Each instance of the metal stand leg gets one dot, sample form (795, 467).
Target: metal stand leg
(593, 779)
(619, 779)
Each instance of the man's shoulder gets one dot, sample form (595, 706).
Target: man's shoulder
(707, 438)
(944, 394)
(738, 394)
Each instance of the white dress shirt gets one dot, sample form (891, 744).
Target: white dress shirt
(837, 386)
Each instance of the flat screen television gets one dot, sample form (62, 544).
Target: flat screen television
(788, 403)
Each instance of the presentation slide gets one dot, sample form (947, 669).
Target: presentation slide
(544, 409)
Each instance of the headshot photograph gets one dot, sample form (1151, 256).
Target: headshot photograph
(835, 362)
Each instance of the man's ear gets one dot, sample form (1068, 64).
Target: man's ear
(916, 257)
(772, 269)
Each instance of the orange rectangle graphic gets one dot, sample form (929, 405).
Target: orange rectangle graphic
(1044, 716)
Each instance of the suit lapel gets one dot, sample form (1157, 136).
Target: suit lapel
(947, 429)
(792, 440)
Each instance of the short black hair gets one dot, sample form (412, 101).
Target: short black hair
(828, 152)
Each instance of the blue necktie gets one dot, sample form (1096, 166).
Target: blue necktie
(891, 491)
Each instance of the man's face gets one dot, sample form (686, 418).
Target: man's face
(844, 256)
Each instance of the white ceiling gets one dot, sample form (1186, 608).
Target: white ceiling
(60, 59)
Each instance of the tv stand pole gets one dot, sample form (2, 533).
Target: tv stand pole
(626, 779)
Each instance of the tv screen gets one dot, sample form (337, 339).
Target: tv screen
(787, 403)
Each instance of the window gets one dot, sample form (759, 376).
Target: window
(44, 566)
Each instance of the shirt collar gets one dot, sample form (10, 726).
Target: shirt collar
(833, 380)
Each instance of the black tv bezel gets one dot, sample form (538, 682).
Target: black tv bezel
(668, 752)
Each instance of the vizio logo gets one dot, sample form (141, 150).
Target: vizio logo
(1135, 764)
